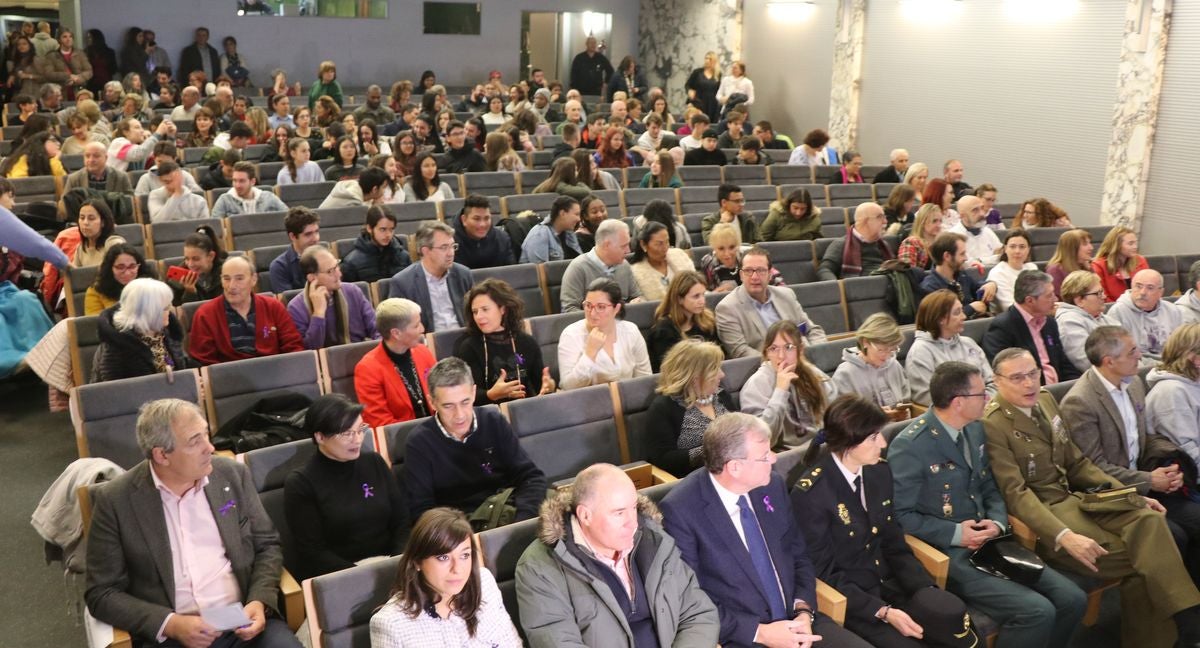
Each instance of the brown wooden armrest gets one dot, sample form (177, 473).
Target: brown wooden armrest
(1024, 534)
(121, 639)
(831, 602)
(661, 476)
(934, 561)
(293, 600)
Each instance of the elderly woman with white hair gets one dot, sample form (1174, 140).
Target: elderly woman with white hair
(140, 335)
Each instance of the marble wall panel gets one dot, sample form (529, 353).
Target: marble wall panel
(674, 35)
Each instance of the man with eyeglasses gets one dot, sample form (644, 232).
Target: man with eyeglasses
(1030, 324)
(1045, 477)
(945, 495)
(462, 456)
(745, 314)
(732, 203)
(1146, 315)
(328, 312)
(437, 284)
(733, 523)
(861, 251)
(1107, 413)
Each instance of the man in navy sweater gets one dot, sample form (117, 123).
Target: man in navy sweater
(463, 455)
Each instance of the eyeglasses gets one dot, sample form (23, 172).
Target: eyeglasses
(444, 248)
(776, 350)
(127, 268)
(599, 307)
(751, 272)
(330, 272)
(1022, 378)
(362, 430)
(1094, 293)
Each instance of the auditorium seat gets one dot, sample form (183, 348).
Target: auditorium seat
(746, 174)
(442, 342)
(337, 366)
(633, 397)
(567, 431)
(1165, 265)
(249, 231)
(789, 174)
(694, 223)
(850, 195)
(525, 280)
(634, 200)
(1043, 241)
(822, 300)
(793, 259)
(309, 194)
(865, 297)
(340, 605)
(540, 204)
(699, 175)
(134, 234)
(882, 190)
(488, 183)
(826, 356)
(166, 239)
(501, 548)
(737, 372)
(822, 173)
(231, 387)
(342, 222)
(758, 196)
(834, 223)
(83, 338)
(546, 330)
(38, 188)
(700, 200)
(554, 271)
(409, 216)
(529, 179)
(641, 315)
(107, 412)
(76, 281)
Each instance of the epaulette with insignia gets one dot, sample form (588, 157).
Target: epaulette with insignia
(810, 477)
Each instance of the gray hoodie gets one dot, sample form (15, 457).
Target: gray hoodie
(927, 353)
(1173, 410)
(791, 421)
(1189, 306)
(886, 385)
(1150, 330)
(1074, 326)
(346, 193)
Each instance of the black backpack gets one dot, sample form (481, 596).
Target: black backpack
(120, 204)
(518, 227)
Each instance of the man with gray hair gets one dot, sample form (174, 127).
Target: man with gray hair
(1029, 324)
(468, 457)
(182, 532)
(601, 557)
(190, 96)
(861, 251)
(374, 109)
(983, 246)
(896, 170)
(437, 283)
(606, 259)
(1146, 315)
(1189, 302)
(733, 524)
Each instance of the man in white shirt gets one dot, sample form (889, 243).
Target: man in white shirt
(695, 139)
(190, 106)
(983, 246)
(437, 284)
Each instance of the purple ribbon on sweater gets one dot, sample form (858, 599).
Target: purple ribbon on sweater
(368, 490)
(487, 467)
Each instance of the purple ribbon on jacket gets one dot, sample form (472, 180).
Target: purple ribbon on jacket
(227, 507)
(767, 503)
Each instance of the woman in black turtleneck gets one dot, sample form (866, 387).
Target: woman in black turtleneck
(505, 361)
(344, 504)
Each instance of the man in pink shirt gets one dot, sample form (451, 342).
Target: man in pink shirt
(1029, 324)
(181, 533)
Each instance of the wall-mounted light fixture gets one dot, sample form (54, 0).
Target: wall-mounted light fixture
(1040, 12)
(791, 11)
(930, 12)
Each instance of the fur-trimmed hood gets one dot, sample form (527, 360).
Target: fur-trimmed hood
(556, 511)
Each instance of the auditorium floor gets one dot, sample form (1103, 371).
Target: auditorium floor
(37, 445)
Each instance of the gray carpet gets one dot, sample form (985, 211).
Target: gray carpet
(37, 446)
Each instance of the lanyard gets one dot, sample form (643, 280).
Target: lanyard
(414, 395)
(487, 372)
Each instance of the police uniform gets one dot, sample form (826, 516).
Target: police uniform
(861, 552)
(1041, 473)
(941, 482)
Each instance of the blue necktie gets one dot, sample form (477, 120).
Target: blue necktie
(761, 559)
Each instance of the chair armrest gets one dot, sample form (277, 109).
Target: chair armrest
(661, 476)
(934, 561)
(1024, 534)
(293, 600)
(831, 602)
(121, 639)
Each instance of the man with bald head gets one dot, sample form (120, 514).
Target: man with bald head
(590, 69)
(983, 246)
(374, 109)
(241, 324)
(1146, 315)
(329, 312)
(96, 174)
(602, 555)
(861, 251)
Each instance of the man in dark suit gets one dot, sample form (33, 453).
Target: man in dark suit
(180, 533)
(1106, 413)
(896, 170)
(1029, 324)
(733, 524)
(437, 284)
(200, 56)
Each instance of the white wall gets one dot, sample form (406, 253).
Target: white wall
(1025, 107)
(365, 50)
(790, 64)
(1169, 224)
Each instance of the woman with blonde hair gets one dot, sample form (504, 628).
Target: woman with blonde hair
(1173, 403)
(683, 313)
(721, 266)
(914, 250)
(1074, 252)
(787, 392)
(498, 154)
(1117, 261)
(1080, 312)
(259, 123)
(689, 399)
(871, 370)
(939, 339)
(916, 177)
(443, 594)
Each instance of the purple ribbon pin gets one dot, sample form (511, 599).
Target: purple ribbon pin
(767, 503)
(227, 507)
(266, 332)
(368, 490)
(520, 360)
(487, 467)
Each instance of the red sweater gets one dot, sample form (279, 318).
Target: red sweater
(1113, 285)
(380, 390)
(209, 341)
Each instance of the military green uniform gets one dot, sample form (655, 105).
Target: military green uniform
(1042, 473)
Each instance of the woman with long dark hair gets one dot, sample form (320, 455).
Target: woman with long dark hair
(377, 253)
(133, 51)
(505, 361)
(202, 258)
(96, 227)
(102, 57)
(122, 264)
(425, 184)
(443, 596)
(36, 156)
(787, 392)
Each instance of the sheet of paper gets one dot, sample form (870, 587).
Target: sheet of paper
(228, 617)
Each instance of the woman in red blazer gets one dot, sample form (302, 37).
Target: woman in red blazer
(390, 379)
(1117, 261)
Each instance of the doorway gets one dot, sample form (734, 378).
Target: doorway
(550, 40)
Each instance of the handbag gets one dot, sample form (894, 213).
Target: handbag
(494, 512)
(1005, 557)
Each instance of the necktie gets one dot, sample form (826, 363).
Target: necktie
(962, 447)
(858, 492)
(761, 558)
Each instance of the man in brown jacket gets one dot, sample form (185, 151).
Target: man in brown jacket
(66, 66)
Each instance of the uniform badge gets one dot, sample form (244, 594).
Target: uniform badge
(950, 465)
(843, 514)
(1059, 430)
(947, 507)
(935, 468)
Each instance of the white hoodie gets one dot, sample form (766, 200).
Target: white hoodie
(1189, 306)
(927, 353)
(1150, 330)
(886, 385)
(1173, 410)
(1074, 326)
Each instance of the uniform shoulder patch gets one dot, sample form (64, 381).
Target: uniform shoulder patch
(809, 478)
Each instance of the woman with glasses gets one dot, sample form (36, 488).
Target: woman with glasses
(344, 505)
(871, 370)
(939, 338)
(787, 392)
(505, 361)
(689, 399)
(1080, 312)
(122, 264)
(140, 336)
(601, 347)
